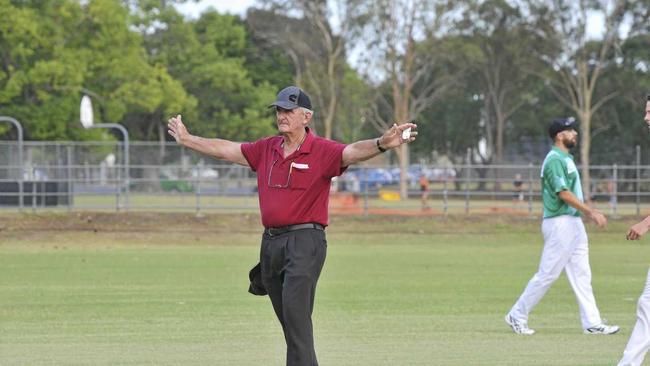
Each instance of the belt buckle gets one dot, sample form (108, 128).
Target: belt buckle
(275, 231)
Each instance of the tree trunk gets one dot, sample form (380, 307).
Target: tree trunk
(500, 119)
(403, 150)
(585, 147)
(403, 158)
(333, 97)
(329, 118)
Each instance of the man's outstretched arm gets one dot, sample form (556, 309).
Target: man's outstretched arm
(216, 148)
(366, 149)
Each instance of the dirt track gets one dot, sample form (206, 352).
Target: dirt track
(128, 222)
(160, 223)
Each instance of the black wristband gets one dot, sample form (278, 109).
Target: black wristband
(381, 149)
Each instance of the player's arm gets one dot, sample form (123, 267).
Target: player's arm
(216, 148)
(638, 229)
(573, 201)
(366, 149)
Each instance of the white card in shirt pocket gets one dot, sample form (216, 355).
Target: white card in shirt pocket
(300, 166)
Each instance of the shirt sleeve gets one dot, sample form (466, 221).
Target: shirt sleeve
(332, 158)
(556, 176)
(253, 152)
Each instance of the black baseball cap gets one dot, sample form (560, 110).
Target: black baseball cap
(292, 97)
(560, 124)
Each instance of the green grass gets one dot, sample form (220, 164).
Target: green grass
(393, 292)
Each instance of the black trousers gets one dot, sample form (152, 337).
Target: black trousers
(291, 264)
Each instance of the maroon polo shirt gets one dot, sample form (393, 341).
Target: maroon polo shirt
(295, 189)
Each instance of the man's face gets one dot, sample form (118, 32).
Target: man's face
(569, 138)
(647, 114)
(290, 120)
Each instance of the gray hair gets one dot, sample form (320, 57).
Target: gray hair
(307, 110)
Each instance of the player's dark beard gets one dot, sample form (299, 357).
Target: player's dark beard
(570, 144)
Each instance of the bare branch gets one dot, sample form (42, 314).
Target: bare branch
(604, 100)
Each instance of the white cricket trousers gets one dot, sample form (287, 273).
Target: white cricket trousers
(639, 342)
(565, 248)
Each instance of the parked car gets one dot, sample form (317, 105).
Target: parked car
(171, 182)
(416, 170)
(371, 178)
(441, 174)
(176, 185)
(204, 173)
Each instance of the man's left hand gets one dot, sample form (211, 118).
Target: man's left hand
(393, 137)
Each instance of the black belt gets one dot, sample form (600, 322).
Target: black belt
(273, 231)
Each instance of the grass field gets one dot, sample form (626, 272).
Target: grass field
(170, 289)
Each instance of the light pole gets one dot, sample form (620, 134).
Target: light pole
(19, 127)
(87, 120)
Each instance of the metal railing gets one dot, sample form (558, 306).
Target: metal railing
(91, 176)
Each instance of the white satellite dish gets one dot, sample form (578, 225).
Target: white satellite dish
(86, 112)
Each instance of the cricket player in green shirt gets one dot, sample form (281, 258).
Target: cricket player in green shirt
(565, 239)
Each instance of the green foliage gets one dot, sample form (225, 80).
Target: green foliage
(620, 122)
(208, 58)
(265, 62)
(142, 62)
(121, 73)
(38, 69)
(57, 50)
(350, 120)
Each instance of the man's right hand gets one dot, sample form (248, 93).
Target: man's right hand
(177, 129)
(598, 218)
(637, 230)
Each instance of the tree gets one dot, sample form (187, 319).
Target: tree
(356, 97)
(502, 47)
(155, 20)
(407, 66)
(38, 70)
(619, 122)
(53, 51)
(303, 29)
(574, 63)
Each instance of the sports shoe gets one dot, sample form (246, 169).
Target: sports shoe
(603, 329)
(518, 327)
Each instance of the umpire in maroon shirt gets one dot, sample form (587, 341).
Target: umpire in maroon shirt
(294, 171)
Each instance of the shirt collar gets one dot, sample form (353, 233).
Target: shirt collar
(305, 147)
(561, 152)
(309, 139)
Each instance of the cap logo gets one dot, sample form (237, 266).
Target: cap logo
(293, 97)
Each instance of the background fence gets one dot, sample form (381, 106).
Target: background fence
(92, 176)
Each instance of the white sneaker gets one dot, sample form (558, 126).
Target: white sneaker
(603, 329)
(518, 327)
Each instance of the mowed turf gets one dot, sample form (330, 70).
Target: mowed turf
(394, 291)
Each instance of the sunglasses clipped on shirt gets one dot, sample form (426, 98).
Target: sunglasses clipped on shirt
(288, 181)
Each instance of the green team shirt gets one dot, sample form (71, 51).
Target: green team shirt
(559, 173)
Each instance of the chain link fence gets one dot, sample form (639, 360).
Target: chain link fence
(92, 176)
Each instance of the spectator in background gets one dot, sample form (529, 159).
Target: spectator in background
(611, 191)
(518, 194)
(424, 190)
